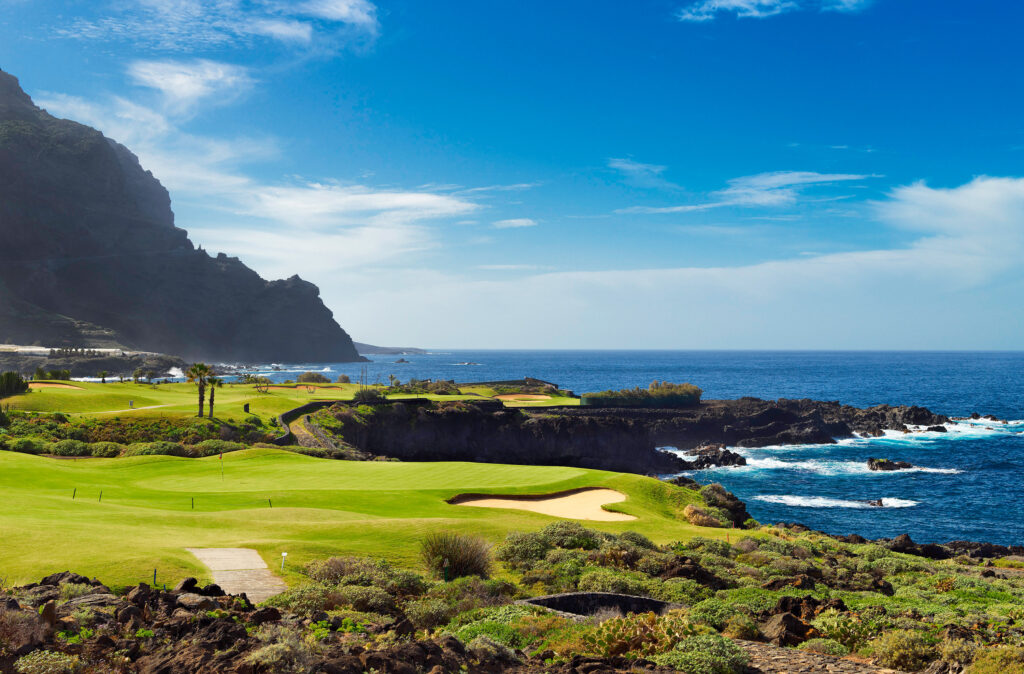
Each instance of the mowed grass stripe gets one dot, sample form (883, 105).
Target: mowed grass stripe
(320, 507)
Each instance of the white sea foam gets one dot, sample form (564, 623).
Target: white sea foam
(175, 372)
(825, 502)
(756, 461)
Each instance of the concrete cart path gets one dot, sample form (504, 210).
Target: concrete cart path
(239, 570)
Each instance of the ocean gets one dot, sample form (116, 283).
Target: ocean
(970, 485)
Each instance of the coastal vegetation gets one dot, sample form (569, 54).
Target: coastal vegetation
(657, 394)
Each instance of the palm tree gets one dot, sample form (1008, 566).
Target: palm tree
(215, 383)
(102, 374)
(199, 373)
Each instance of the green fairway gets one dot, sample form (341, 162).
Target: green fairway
(180, 399)
(275, 501)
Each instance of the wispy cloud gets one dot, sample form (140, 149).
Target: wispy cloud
(183, 84)
(640, 174)
(962, 261)
(515, 223)
(197, 25)
(773, 189)
(706, 10)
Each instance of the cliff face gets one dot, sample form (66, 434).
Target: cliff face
(88, 236)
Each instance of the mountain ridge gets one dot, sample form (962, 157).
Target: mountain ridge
(91, 251)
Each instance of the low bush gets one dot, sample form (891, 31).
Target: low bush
(701, 516)
(571, 535)
(957, 651)
(851, 631)
(312, 378)
(502, 633)
(28, 445)
(19, 627)
(75, 590)
(286, 650)
(106, 450)
(305, 600)
(450, 555)
(471, 592)
(907, 650)
(741, 626)
(713, 613)
(47, 662)
(70, 448)
(426, 614)
(365, 598)
(705, 654)
(998, 660)
(159, 448)
(825, 646)
(521, 550)
(640, 634)
(214, 447)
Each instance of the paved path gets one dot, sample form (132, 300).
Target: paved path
(768, 659)
(239, 570)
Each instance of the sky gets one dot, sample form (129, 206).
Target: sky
(662, 174)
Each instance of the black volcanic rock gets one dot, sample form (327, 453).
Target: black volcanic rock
(92, 257)
(888, 464)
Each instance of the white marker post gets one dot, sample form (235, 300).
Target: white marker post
(283, 555)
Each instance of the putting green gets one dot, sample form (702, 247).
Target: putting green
(153, 508)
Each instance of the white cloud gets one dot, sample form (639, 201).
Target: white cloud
(195, 25)
(183, 84)
(515, 223)
(706, 10)
(356, 12)
(961, 272)
(640, 174)
(776, 188)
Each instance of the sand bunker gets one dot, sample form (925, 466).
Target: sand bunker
(39, 384)
(583, 504)
(523, 396)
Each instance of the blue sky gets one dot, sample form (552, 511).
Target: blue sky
(663, 174)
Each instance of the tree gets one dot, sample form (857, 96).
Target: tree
(137, 375)
(102, 374)
(215, 383)
(344, 379)
(199, 374)
(262, 384)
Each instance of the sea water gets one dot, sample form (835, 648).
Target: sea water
(969, 484)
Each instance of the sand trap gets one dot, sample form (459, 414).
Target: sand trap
(584, 504)
(299, 387)
(40, 384)
(523, 396)
(239, 570)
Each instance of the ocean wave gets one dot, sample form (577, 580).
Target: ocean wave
(831, 467)
(825, 502)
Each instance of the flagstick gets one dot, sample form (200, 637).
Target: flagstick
(222, 466)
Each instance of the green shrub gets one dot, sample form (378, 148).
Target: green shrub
(572, 535)
(368, 396)
(638, 540)
(70, 448)
(520, 550)
(427, 614)
(28, 445)
(312, 378)
(907, 650)
(214, 447)
(486, 648)
(705, 654)
(306, 599)
(957, 651)
(713, 613)
(12, 383)
(360, 571)
(851, 631)
(706, 546)
(741, 626)
(74, 590)
(47, 662)
(286, 650)
(639, 634)
(999, 660)
(825, 646)
(106, 450)
(450, 555)
(607, 580)
(366, 598)
(498, 631)
(160, 448)
(658, 394)
(471, 592)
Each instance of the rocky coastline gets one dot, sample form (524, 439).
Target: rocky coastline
(625, 440)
